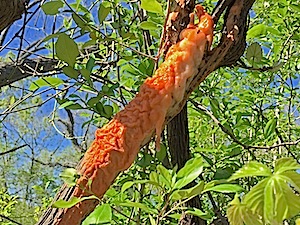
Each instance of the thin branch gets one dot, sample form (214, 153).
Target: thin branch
(12, 150)
(234, 138)
(10, 220)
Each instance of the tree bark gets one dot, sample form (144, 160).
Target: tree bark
(178, 143)
(10, 72)
(234, 34)
(10, 11)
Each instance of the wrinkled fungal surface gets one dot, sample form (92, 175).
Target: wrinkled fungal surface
(117, 143)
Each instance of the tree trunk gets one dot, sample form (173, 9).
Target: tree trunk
(10, 11)
(178, 143)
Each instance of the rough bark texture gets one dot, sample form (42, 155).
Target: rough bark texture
(10, 11)
(178, 143)
(234, 34)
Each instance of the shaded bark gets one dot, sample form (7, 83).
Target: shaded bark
(178, 143)
(10, 11)
(234, 34)
(10, 72)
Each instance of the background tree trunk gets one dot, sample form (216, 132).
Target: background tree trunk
(178, 143)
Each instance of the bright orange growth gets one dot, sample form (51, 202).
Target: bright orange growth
(117, 144)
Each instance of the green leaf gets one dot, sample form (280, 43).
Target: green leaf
(269, 200)
(103, 12)
(152, 6)
(145, 161)
(126, 185)
(70, 176)
(191, 170)
(252, 169)
(66, 104)
(148, 25)
(225, 188)
(107, 111)
(293, 178)
(257, 30)
(187, 193)
(44, 82)
(199, 213)
(285, 164)
(70, 72)
(80, 22)
(270, 127)
(12, 100)
(66, 204)
(295, 7)
(254, 53)
(87, 75)
(139, 205)
(90, 64)
(51, 8)
(287, 203)
(73, 201)
(66, 49)
(240, 214)
(161, 154)
(165, 176)
(102, 214)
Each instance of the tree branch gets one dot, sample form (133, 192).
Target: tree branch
(12, 150)
(10, 72)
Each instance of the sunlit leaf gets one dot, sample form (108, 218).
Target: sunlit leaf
(225, 188)
(270, 127)
(293, 178)
(287, 203)
(101, 214)
(152, 6)
(191, 170)
(285, 164)
(69, 176)
(44, 82)
(73, 201)
(187, 193)
(240, 214)
(250, 170)
(257, 30)
(165, 176)
(254, 199)
(126, 185)
(148, 25)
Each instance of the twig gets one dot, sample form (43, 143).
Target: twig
(9, 219)
(234, 138)
(12, 150)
